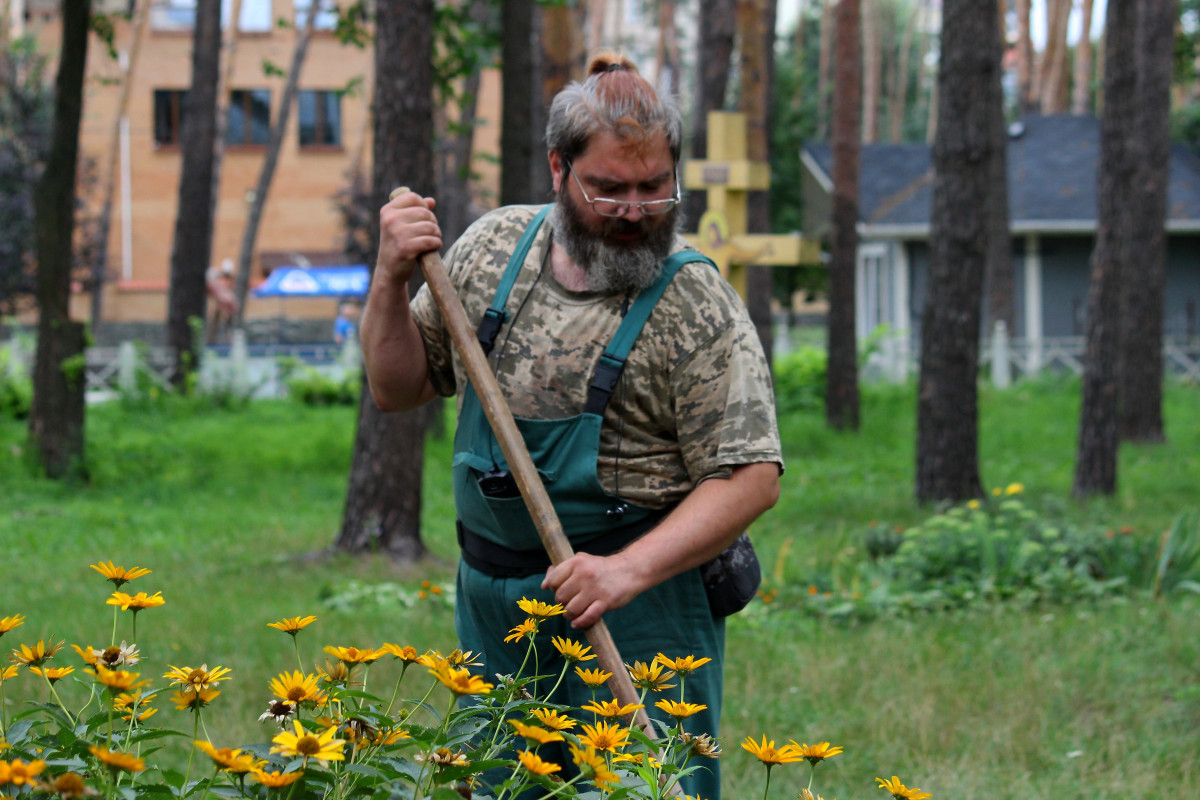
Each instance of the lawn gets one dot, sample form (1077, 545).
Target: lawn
(234, 512)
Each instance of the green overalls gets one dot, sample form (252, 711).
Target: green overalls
(503, 559)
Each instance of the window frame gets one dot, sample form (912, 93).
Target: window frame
(246, 108)
(176, 103)
(327, 133)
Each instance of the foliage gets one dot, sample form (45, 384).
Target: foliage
(800, 380)
(16, 391)
(314, 388)
(1178, 565)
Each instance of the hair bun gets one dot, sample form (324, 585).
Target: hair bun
(610, 62)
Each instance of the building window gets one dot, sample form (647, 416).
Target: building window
(249, 117)
(180, 15)
(168, 115)
(327, 14)
(320, 113)
(254, 18)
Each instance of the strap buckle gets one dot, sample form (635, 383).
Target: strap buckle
(489, 328)
(604, 383)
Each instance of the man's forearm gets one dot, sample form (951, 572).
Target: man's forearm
(393, 351)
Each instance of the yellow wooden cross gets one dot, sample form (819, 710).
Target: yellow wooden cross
(729, 176)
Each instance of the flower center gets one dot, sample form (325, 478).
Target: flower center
(308, 746)
(111, 655)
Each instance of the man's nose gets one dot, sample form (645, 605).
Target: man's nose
(633, 213)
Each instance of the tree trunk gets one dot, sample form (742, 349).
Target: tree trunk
(563, 59)
(998, 276)
(1081, 91)
(898, 105)
(872, 68)
(841, 388)
(270, 160)
(718, 25)
(1096, 456)
(1140, 365)
(56, 418)
(519, 52)
(383, 498)
(967, 144)
(1052, 93)
(825, 67)
(192, 248)
(1027, 101)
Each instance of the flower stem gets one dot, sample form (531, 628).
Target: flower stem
(192, 753)
(767, 788)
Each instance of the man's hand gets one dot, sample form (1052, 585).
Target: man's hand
(407, 228)
(589, 585)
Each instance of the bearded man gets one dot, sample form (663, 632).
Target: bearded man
(637, 381)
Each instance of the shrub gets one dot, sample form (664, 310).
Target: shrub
(314, 388)
(800, 380)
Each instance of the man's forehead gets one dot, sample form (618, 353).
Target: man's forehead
(650, 153)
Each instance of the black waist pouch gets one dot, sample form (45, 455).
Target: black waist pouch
(732, 579)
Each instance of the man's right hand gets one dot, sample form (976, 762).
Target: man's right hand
(407, 228)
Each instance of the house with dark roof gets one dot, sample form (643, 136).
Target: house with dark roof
(1052, 168)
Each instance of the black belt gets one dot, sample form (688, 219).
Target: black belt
(499, 561)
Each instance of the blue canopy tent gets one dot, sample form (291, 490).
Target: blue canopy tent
(342, 282)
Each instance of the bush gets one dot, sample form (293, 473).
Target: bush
(16, 392)
(314, 388)
(800, 380)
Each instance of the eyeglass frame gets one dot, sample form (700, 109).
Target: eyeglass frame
(623, 206)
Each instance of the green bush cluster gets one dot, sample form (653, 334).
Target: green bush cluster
(16, 393)
(313, 388)
(800, 380)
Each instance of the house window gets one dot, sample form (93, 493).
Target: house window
(255, 16)
(320, 113)
(327, 14)
(249, 117)
(168, 115)
(180, 15)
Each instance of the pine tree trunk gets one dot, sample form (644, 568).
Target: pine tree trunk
(825, 68)
(898, 106)
(872, 69)
(1081, 91)
(841, 388)
(968, 143)
(1140, 367)
(383, 498)
(1096, 456)
(563, 59)
(192, 248)
(56, 418)
(718, 26)
(519, 61)
(1025, 59)
(1053, 75)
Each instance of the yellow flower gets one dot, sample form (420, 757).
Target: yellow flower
(297, 688)
(604, 736)
(636, 759)
(594, 678)
(525, 630)
(292, 625)
(129, 702)
(337, 673)
(1014, 488)
(9, 672)
(534, 733)
(900, 791)
(816, 752)
(572, 650)
(303, 744)
(536, 608)
(611, 708)
(231, 760)
(650, 676)
(276, 779)
(86, 653)
(702, 745)
(680, 710)
(188, 700)
(8, 623)
(118, 680)
(408, 654)
(36, 655)
(682, 666)
(767, 754)
(463, 658)
(533, 763)
(553, 719)
(445, 757)
(593, 767)
(198, 679)
(52, 674)
(113, 656)
(20, 772)
(135, 602)
(461, 681)
(119, 575)
(352, 655)
(118, 761)
(70, 785)
(973, 505)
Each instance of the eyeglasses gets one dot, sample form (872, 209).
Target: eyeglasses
(607, 207)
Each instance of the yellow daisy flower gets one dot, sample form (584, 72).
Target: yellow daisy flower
(118, 761)
(128, 702)
(650, 676)
(20, 772)
(275, 780)
(445, 757)
(337, 673)
(682, 666)
(188, 700)
(1014, 488)
(767, 754)
(231, 760)
(680, 710)
(572, 650)
(611, 708)
(70, 786)
(606, 737)
(36, 655)
(408, 654)
(594, 678)
(118, 680)
(198, 679)
(463, 658)
(9, 672)
(135, 602)
(119, 575)
(302, 744)
(553, 719)
(534, 763)
(461, 681)
(593, 767)
(901, 792)
(295, 687)
(292, 625)
(117, 655)
(52, 674)
(535, 734)
(88, 654)
(702, 745)
(8, 623)
(636, 759)
(525, 630)
(536, 608)
(352, 655)
(816, 752)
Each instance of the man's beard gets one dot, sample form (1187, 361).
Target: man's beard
(610, 265)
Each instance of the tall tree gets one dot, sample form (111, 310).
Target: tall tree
(872, 67)
(718, 28)
(967, 143)
(192, 247)
(825, 66)
(383, 499)
(563, 59)
(841, 387)
(898, 96)
(56, 418)
(522, 96)
(1140, 365)
(1081, 89)
(1025, 58)
(1096, 454)
(1053, 74)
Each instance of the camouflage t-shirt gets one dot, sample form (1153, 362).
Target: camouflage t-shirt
(694, 399)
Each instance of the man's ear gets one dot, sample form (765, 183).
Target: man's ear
(556, 169)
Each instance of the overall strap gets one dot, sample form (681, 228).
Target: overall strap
(612, 362)
(496, 315)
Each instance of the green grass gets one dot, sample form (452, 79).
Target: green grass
(234, 511)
